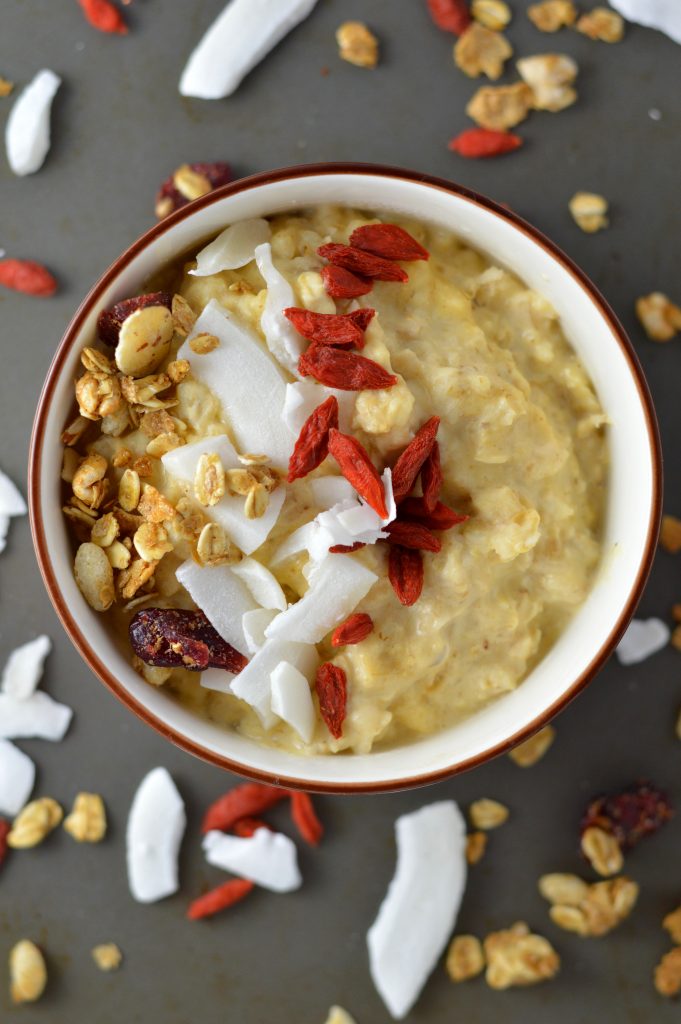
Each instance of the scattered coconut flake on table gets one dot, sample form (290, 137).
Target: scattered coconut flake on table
(303, 397)
(419, 912)
(269, 859)
(664, 15)
(254, 683)
(38, 717)
(283, 340)
(17, 777)
(156, 825)
(292, 699)
(254, 624)
(221, 596)
(4, 530)
(24, 668)
(643, 638)
(27, 135)
(11, 501)
(263, 585)
(233, 248)
(237, 40)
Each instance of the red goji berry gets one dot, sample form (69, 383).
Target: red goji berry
(169, 198)
(110, 321)
(412, 535)
(479, 143)
(405, 572)
(312, 445)
(450, 15)
(103, 16)
(5, 829)
(331, 685)
(346, 371)
(355, 629)
(225, 895)
(339, 329)
(630, 815)
(389, 241)
(28, 277)
(408, 466)
(431, 478)
(246, 801)
(343, 284)
(305, 818)
(360, 262)
(440, 517)
(357, 467)
(346, 549)
(247, 827)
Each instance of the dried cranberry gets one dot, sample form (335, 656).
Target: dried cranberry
(110, 320)
(630, 815)
(174, 638)
(169, 198)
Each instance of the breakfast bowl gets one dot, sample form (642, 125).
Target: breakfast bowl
(618, 410)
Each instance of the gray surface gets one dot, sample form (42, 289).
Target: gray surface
(119, 128)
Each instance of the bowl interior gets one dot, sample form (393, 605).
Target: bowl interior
(630, 522)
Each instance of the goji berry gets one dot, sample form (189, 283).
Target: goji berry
(247, 827)
(630, 815)
(169, 198)
(408, 466)
(343, 284)
(305, 818)
(312, 445)
(431, 478)
(28, 277)
(331, 685)
(176, 638)
(5, 829)
(346, 549)
(225, 895)
(357, 467)
(355, 629)
(479, 143)
(450, 15)
(441, 517)
(103, 16)
(412, 535)
(405, 572)
(339, 329)
(246, 801)
(389, 241)
(346, 371)
(360, 262)
(111, 320)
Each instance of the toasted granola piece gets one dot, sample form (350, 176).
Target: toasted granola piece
(602, 851)
(499, 107)
(154, 506)
(515, 956)
(550, 78)
(603, 907)
(672, 924)
(486, 814)
(528, 753)
(481, 51)
(27, 971)
(667, 975)
(568, 890)
(87, 821)
(603, 24)
(494, 14)
(476, 844)
(589, 211)
(552, 14)
(660, 317)
(670, 534)
(34, 823)
(357, 44)
(465, 958)
(98, 395)
(107, 956)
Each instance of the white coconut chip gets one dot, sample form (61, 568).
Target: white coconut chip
(24, 668)
(263, 585)
(253, 684)
(237, 40)
(643, 638)
(4, 529)
(338, 586)
(38, 717)
(217, 679)
(221, 596)
(27, 134)
(328, 491)
(269, 859)
(299, 540)
(419, 912)
(292, 699)
(303, 397)
(17, 777)
(664, 15)
(156, 825)
(11, 501)
(254, 624)
(247, 381)
(283, 340)
(233, 248)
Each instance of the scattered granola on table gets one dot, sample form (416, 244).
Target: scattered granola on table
(589, 211)
(5, 87)
(660, 317)
(494, 14)
(357, 44)
(107, 956)
(602, 851)
(27, 972)
(502, 106)
(34, 823)
(517, 957)
(588, 910)
(667, 975)
(188, 182)
(476, 844)
(550, 78)
(487, 814)
(602, 23)
(482, 51)
(670, 534)
(87, 821)
(552, 15)
(531, 751)
(630, 814)
(465, 958)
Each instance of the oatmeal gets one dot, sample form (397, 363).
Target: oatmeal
(436, 433)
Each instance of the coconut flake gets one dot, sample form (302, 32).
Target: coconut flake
(419, 911)
(27, 135)
(643, 638)
(254, 624)
(221, 596)
(253, 684)
(11, 500)
(237, 40)
(283, 340)
(664, 15)
(269, 859)
(248, 383)
(233, 248)
(217, 679)
(38, 717)
(17, 777)
(4, 529)
(303, 397)
(299, 540)
(156, 824)
(263, 585)
(292, 699)
(24, 668)
(328, 491)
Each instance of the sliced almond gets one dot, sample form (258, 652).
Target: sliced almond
(105, 530)
(144, 340)
(152, 542)
(129, 490)
(215, 548)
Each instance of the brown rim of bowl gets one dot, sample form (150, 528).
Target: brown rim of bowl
(35, 458)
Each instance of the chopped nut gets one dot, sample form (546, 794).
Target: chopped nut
(154, 423)
(589, 211)
(107, 956)
(661, 318)
(602, 851)
(143, 466)
(602, 23)
(670, 534)
(129, 490)
(105, 530)
(494, 14)
(487, 814)
(158, 446)
(143, 390)
(118, 555)
(27, 972)
(550, 77)
(152, 542)
(183, 315)
(128, 522)
(515, 956)
(190, 183)
(70, 461)
(215, 548)
(135, 576)
(209, 480)
(75, 431)
(357, 44)
(95, 361)
(178, 370)
(94, 576)
(87, 821)
(499, 107)
(480, 51)
(568, 890)
(5, 87)
(204, 343)
(672, 924)
(256, 503)
(98, 394)
(552, 14)
(122, 458)
(34, 823)
(668, 973)
(476, 844)
(465, 958)
(602, 908)
(528, 753)
(88, 483)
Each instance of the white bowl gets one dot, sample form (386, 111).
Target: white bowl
(633, 503)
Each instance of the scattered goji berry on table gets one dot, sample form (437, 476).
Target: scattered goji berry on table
(360, 262)
(170, 198)
(305, 818)
(405, 572)
(479, 143)
(343, 284)
(412, 535)
(177, 638)
(247, 827)
(27, 276)
(440, 517)
(109, 321)
(338, 329)
(431, 478)
(246, 801)
(630, 815)
(346, 371)
(331, 685)
(5, 829)
(389, 241)
(408, 466)
(312, 445)
(450, 15)
(104, 16)
(355, 629)
(347, 549)
(357, 467)
(220, 898)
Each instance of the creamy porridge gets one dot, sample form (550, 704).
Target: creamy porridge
(184, 488)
